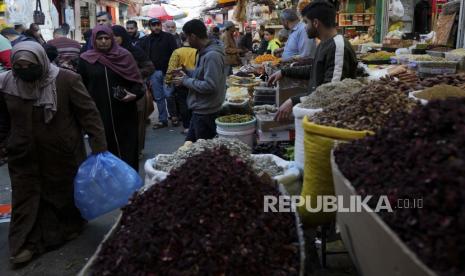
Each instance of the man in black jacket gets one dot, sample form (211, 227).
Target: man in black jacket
(334, 60)
(159, 46)
(246, 41)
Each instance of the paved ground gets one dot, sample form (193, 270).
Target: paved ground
(70, 258)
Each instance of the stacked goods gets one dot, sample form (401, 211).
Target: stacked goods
(369, 109)
(441, 92)
(327, 93)
(419, 156)
(203, 220)
(403, 74)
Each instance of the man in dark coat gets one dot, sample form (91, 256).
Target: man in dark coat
(159, 46)
(246, 40)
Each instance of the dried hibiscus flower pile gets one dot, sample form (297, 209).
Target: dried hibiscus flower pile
(419, 156)
(203, 219)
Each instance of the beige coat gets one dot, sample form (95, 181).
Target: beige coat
(231, 50)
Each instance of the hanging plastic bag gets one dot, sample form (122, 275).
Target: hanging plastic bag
(104, 183)
(396, 10)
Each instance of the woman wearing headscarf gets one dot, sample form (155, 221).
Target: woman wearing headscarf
(146, 68)
(111, 75)
(44, 113)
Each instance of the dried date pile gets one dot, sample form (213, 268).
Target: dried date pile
(419, 156)
(455, 80)
(369, 109)
(203, 220)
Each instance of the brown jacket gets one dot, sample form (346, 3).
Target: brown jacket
(44, 158)
(231, 50)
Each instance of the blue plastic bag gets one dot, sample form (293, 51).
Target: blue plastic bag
(104, 183)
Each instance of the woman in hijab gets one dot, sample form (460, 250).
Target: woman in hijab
(111, 75)
(123, 39)
(44, 113)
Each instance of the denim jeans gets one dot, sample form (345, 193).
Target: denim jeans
(202, 127)
(159, 92)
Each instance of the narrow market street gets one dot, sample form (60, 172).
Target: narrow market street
(70, 258)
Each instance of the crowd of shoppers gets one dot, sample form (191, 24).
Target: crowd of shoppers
(53, 93)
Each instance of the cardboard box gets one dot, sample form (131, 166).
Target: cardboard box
(374, 248)
(266, 123)
(275, 136)
(288, 88)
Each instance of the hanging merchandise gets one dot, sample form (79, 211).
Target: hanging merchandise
(396, 10)
(239, 14)
(39, 16)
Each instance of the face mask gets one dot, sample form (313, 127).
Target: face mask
(30, 74)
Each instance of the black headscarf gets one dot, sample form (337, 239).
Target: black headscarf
(136, 52)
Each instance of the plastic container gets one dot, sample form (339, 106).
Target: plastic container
(246, 136)
(435, 53)
(436, 67)
(459, 58)
(236, 126)
(153, 176)
(299, 113)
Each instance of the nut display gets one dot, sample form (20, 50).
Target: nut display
(327, 93)
(235, 118)
(368, 109)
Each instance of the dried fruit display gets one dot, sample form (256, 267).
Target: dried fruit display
(405, 86)
(327, 93)
(369, 109)
(455, 80)
(203, 220)
(267, 57)
(419, 156)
